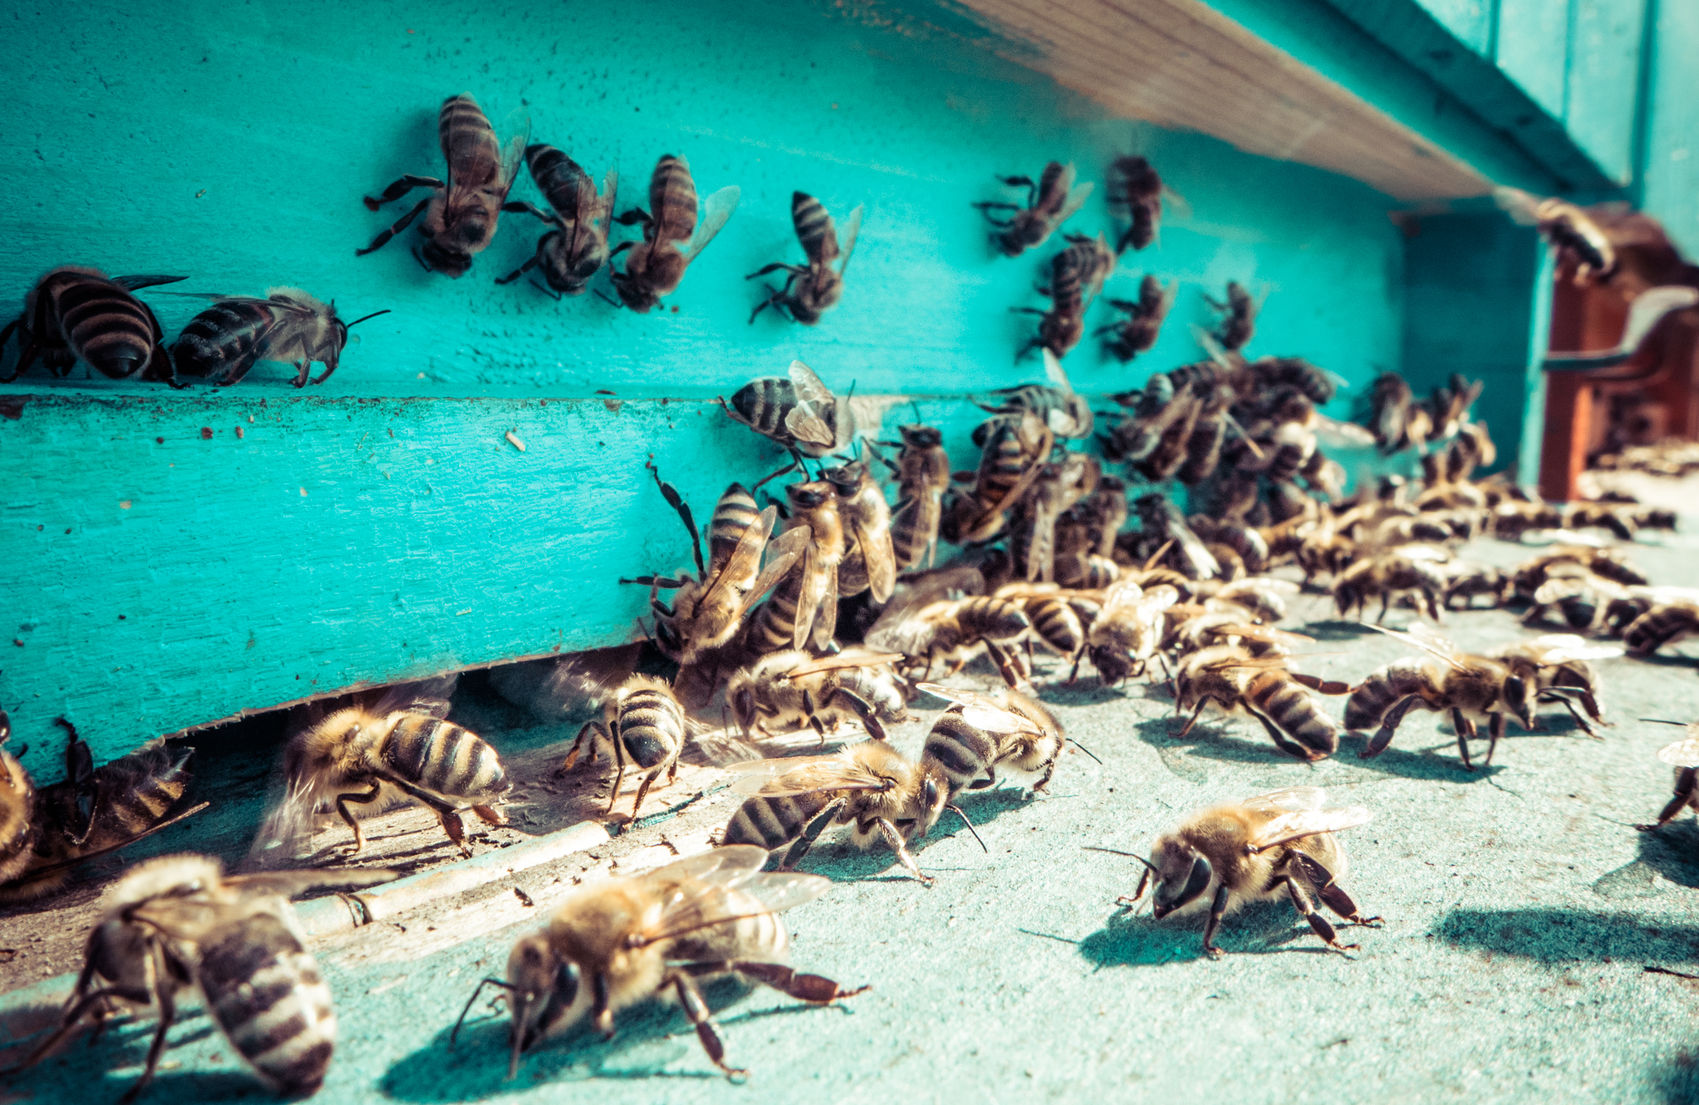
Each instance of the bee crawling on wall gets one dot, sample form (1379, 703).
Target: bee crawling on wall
(75, 313)
(237, 332)
(923, 475)
(1077, 274)
(797, 410)
(1050, 202)
(576, 246)
(616, 943)
(1137, 192)
(1238, 316)
(460, 215)
(179, 923)
(811, 289)
(1256, 850)
(672, 234)
(17, 809)
(1141, 319)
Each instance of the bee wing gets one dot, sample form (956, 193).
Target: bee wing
(815, 403)
(284, 833)
(292, 884)
(1288, 800)
(610, 196)
(1337, 434)
(1425, 639)
(745, 558)
(1076, 200)
(1178, 202)
(982, 711)
(1557, 648)
(1054, 372)
(1284, 828)
(518, 126)
(782, 554)
(702, 902)
(1519, 205)
(804, 775)
(715, 212)
(131, 283)
(848, 658)
(721, 866)
(43, 872)
(1683, 753)
(424, 696)
(846, 240)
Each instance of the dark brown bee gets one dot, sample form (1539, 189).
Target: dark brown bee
(1013, 454)
(1136, 332)
(1086, 571)
(77, 314)
(576, 246)
(1065, 411)
(17, 809)
(923, 475)
(1136, 189)
(1076, 276)
(1405, 570)
(1162, 523)
(642, 726)
(1570, 231)
(1049, 204)
(1239, 316)
(812, 289)
(179, 923)
(1662, 624)
(672, 234)
(460, 216)
(238, 332)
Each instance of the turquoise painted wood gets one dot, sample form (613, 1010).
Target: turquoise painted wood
(1604, 82)
(1669, 185)
(1469, 21)
(1532, 48)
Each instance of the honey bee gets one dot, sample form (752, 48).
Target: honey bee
(1575, 598)
(76, 313)
(978, 735)
(1056, 489)
(1055, 616)
(460, 216)
(1465, 581)
(815, 515)
(799, 412)
(1049, 203)
(1136, 188)
(923, 475)
(786, 690)
(1402, 570)
(364, 760)
(619, 942)
(1662, 624)
(815, 288)
(707, 611)
(1086, 571)
(672, 234)
(643, 726)
(1064, 411)
(1252, 851)
(1077, 274)
(1394, 417)
(1683, 755)
(1609, 564)
(238, 332)
(1013, 455)
(866, 517)
(1556, 668)
(96, 810)
(1575, 238)
(17, 809)
(579, 218)
(178, 923)
(1230, 678)
(953, 631)
(792, 801)
(1127, 630)
(1136, 332)
(1473, 689)
(1162, 522)
(1239, 316)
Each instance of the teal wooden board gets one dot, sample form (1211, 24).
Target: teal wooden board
(1532, 48)
(1670, 182)
(1469, 21)
(1604, 82)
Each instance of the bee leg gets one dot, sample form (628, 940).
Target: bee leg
(166, 1012)
(774, 300)
(1388, 726)
(814, 989)
(642, 790)
(794, 270)
(1495, 730)
(400, 188)
(446, 814)
(863, 710)
(1686, 782)
(1217, 910)
(895, 840)
(810, 833)
(489, 815)
(1465, 729)
(530, 263)
(696, 1008)
(1321, 925)
(361, 797)
(1331, 893)
(1281, 741)
(591, 730)
(1191, 721)
(634, 217)
(400, 224)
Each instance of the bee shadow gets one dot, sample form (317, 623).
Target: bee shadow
(1440, 763)
(1137, 939)
(1551, 935)
(64, 1075)
(1675, 1081)
(1673, 851)
(1209, 739)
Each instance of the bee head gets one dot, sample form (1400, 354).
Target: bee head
(450, 260)
(740, 695)
(1182, 875)
(1519, 698)
(542, 989)
(921, 437)
(1112, 664)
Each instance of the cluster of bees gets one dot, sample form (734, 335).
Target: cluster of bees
(1673, 457)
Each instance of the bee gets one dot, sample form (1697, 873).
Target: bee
(815, 515)
(1403, 570)
(1662, 624)
(96, 810)
(1057, 488)
(76, 313)
(1466, 581)
(1165, 453)
(1124, 635)
(1239, 316)
(815, 288)
(923, 475)
(1055, 616)
(953, 631)
(672, 234)
(1575, 238)
(460, 215)
(1086, 571)
(1471, 688)
(1077, 274)
(707, 610)
(178, 923)
(643, 726)
(1556, 668)
(1683, 755)
(866, 518)
(1162, 521)
(1136, 187)
(1012, 456)
(1064, 411)
(1252, 851)
(1246, 543)
(238, 332)
(1137, 331)
(1575, 598)
(619, 942)
(372, 758)
(792, 801)
(786, 690)
(1609, 564)
(1049, 203)
(17, 809)
(579, 218)
(1233, 680)
(1609, 516)
(799, 412)
(978, 735)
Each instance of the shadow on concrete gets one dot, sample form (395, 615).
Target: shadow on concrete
(1673, 851)
(1676, 1081)
(64, 1075)
(1441, 763)
(1549, 935)
(1136, 939)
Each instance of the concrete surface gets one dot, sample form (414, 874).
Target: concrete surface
(1522, 912)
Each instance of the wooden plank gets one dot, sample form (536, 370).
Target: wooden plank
(1604, 82)
(1533, 49)
(1669, 188)
(1469, 21)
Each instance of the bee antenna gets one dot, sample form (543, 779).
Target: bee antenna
(469, 1001)
(957, 810)
(1129, 855)
(1663, 721)
(363, 318)
(1083, 748)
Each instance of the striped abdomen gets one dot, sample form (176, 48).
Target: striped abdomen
(223, 334)
(814, 228)
(266, 993)
(757, 934)
(1057, 624)
(1293, 711)
(17, 805)
(962, 751)
(772, 821)
(1001, 464)
(763, 403)
(443, 757)
(734, 513)
(1374, 696)
(1659, 626)
(563, 182)
(914, 527)
(134, 793)
(672, 200)
(650, 725)
(468, 143)
(101, 323)
(992, 619)
(773, 627)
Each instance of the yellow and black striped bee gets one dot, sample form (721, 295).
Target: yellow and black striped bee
(672, 234)
(238, 332)
(953, 632)
(978, 736)
(789, 689)
(812, 289)
(1573, 235)
(923, 475)
(1014, 450)
(1683, 755)
(76, 313)
(870, 560)
(17, 809)
(1661, 624)
(364, 760)
(460, 216)
(643, 727)
(624, 940)
(1049, 203)
(1230, 678)
(797, 410)
(179, 923)
(576, 245)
